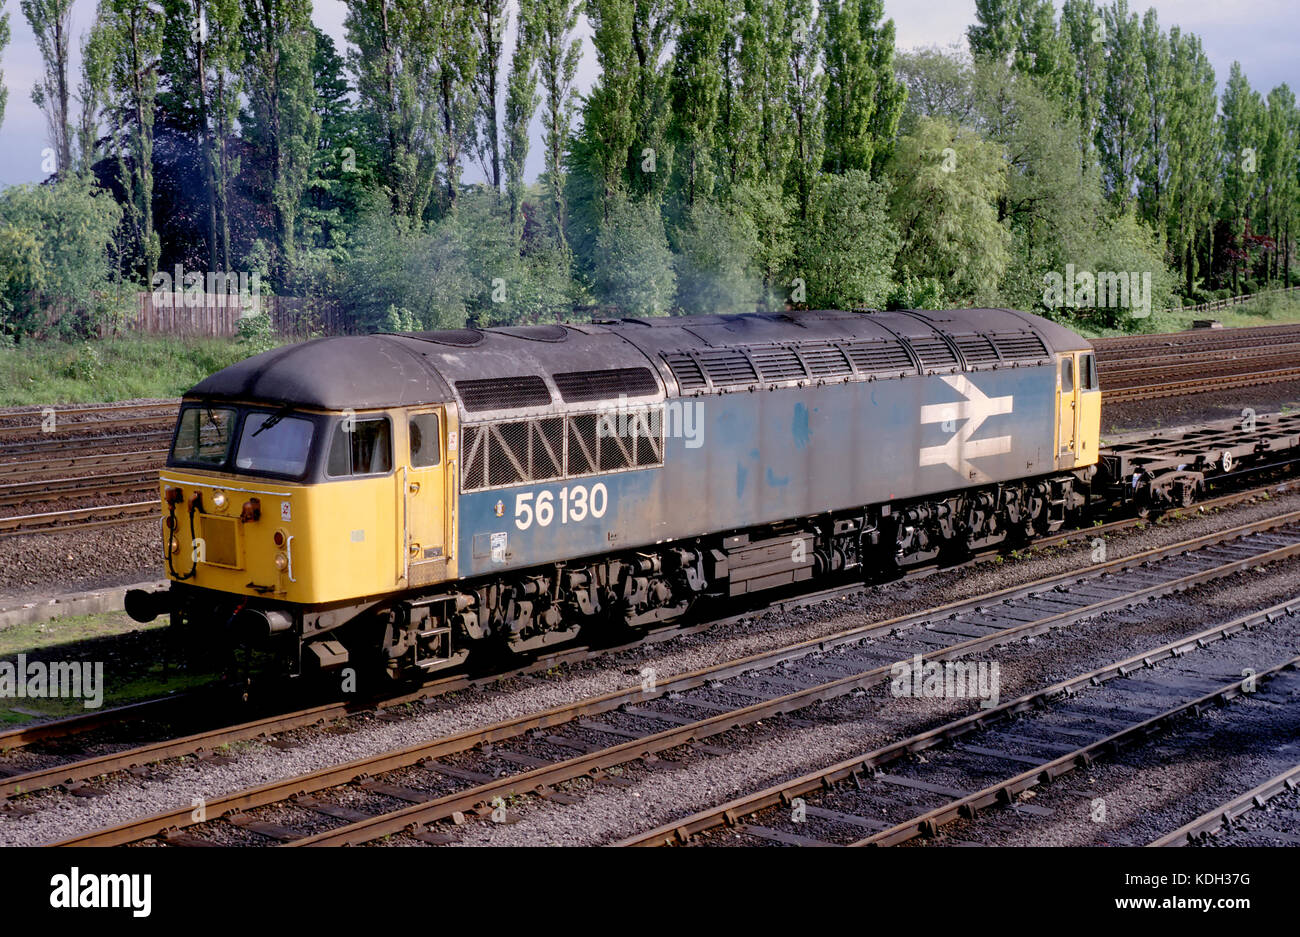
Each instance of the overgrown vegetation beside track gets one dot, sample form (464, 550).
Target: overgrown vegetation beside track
(100, 371)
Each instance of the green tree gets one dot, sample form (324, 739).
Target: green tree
(282, 125)
(1278, 166)
(940, 84)
(1083, 30)
(1154, 164)
(608, 124)
(695, 88)
(947, 183)
(458, 63)
(4, 41)
(1122, 127)
(864, 98)
(393, 60)
(716, 268)
(489, 26)
(996, 30)
(847, 246)
(805, 97)
(133, 37)
(95, 86)
(1241, 123)
(1191, 146)
(520, 105)
(558, 53)
(56, 257)
(51, 24)
(633, 263)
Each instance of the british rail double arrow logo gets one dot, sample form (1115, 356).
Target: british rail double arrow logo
(974, 409)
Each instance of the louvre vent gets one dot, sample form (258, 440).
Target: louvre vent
(881, 358)
(728, 367)
(686, 370)
(935, 354)
(1019, 346)
(977, 349)
(777, 364)
(502, 393)
(825, 360)
(577, 386)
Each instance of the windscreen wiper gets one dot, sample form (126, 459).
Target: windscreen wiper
(274, 418)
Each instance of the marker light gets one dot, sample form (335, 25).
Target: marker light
(281, 562)
(219, 499)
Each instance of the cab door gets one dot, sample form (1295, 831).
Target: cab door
(1067, 410)
(426, 501)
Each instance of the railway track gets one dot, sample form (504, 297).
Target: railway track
(1223, 821)
(459, 774)
(168, 707)
(1197, 340)
(1201, 385)
(843, 803)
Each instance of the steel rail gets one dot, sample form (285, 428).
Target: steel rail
(103, 764)
(1005, 792)
(733, 811)
(1221, 817)
(1203, 385)
(384, 824)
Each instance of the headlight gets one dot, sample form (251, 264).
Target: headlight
(219, 499)
(281, 562)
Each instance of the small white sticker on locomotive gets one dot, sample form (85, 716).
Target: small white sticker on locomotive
(451, 442)
(358, 536)
(284, 511)
(499, 547)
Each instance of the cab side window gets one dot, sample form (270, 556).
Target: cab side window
(361, 447)
(1067, 375)
(423, 431)
(1089, 369)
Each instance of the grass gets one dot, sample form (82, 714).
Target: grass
(134, 656)
(1265, 309)
(55, 372)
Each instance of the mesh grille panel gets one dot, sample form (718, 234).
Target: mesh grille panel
(577, 386)
(500, 393)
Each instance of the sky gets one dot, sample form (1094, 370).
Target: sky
(1261, 34)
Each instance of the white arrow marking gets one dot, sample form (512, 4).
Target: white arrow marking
(974, 409)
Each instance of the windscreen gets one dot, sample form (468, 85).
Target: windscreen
(274, 443)
(203, 437)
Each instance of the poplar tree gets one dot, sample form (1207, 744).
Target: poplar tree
(805, 96)
(558, 54)
(696, 87)
(393, 59)
(279, 41)
(134, 40)
(457, 63)
(51, 24)
(995, 32)
(1122, 128)
(489, 26)
(1278, 165)
(1240, 133)
(609, 126)
(1154, 165)
(4, 41)
(1083, 31)
(1191, 148)
(520, 105)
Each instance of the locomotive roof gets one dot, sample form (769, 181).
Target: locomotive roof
(540, 368)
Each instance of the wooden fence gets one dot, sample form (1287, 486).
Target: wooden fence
(1232, 300)
(218, 314)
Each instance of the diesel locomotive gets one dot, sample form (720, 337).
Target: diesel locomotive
(394, 501)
